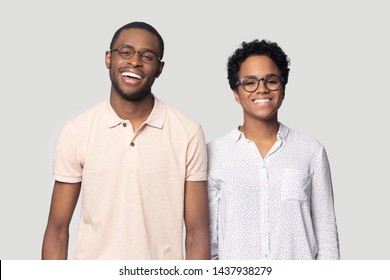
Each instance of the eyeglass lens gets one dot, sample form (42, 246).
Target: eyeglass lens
(271, 82)
(128, 52)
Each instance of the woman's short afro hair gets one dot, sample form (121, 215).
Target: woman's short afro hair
(256, 47)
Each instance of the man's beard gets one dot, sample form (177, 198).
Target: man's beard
(131, 96)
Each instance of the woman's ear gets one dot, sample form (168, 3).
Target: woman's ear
(236, 96)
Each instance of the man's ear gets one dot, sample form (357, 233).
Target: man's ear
(108, 59)
(160, 69)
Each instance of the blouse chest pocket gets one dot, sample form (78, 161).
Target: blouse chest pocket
(294, 185)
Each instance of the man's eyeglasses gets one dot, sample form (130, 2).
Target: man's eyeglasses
(127, 52)
(251, 83)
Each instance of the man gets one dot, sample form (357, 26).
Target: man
(270, 187)
(139, 163)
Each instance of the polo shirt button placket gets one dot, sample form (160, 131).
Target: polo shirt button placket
(124, 124)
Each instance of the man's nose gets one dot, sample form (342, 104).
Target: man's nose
(135, 60)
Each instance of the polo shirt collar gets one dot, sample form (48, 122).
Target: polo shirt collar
(155, 119)
(109, 115)
(157, 116)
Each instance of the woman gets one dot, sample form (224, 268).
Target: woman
(270, 188)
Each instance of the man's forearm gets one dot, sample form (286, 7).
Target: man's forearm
(198, 245)
(55, 245)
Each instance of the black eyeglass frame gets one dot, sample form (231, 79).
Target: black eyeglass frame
(265, 78)
(139, 53)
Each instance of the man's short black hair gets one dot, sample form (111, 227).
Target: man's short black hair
(140, 25)
(256, 47)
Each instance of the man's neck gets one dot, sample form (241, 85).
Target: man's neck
(136, 111)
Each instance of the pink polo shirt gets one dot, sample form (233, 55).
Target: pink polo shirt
(132, 182)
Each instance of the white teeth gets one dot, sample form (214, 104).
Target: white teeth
(262, 100)
(131, 75)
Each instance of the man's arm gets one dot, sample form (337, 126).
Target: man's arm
(63, 203)
(196, 216)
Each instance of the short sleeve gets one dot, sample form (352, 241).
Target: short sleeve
(67, 166)
(196, 162)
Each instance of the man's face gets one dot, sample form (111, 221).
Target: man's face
(262, 104)
(133, 78)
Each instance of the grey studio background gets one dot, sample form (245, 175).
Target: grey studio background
(52, 69)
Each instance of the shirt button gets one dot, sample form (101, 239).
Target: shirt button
(132, 144)
(124, 124)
